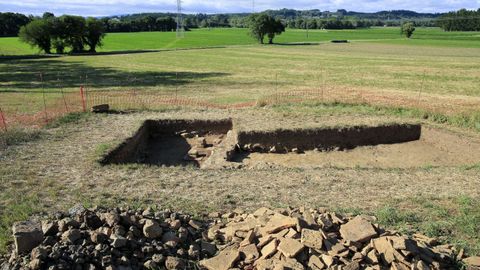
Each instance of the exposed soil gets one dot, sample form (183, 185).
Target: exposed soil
(435, 148)
(168, 142)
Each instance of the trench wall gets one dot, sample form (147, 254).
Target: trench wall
(347, 138)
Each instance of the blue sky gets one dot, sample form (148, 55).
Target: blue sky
(112, 7)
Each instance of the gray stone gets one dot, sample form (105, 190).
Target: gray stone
(27, 235)
(152, 229)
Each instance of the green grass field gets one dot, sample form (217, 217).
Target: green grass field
(230, 37)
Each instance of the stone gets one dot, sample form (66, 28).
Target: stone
(92, 220)
(119, 241)
(170, 237)
(315, 263)
(352, 266)
(358, 230)
(173, 263)
(27, 235)
(290, 247)
(152, 229)
(98, 237)
(249, 252)
(150, 265)
(201, 141)
(269, 249)
(35, 264)
(102, 108)
(76, 210)
(312, 239)
(39, 253)
(279, 222)
(197, 225)
(472, 261)
(223, 261)
(384, 249)
(71, 236)
(327, 259)
(208, 248)
(110, 219)
(249, 239)
(49, 228)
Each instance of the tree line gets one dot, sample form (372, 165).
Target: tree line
(462, 20)
(61, 33)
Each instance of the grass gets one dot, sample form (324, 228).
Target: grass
(230, 75)
(17, 136)
(471, 121)
(455, 220)
(236, 36)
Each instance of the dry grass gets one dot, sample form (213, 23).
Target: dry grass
(59, 170)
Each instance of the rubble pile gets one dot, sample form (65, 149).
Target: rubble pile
(266, 239)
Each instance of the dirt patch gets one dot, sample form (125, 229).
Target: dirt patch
(171, 143)
(435, 147)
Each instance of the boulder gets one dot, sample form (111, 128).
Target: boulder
(223, 261)
(358, 230)
(27, 235)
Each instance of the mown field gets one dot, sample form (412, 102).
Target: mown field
(432, 78)
(229, 37)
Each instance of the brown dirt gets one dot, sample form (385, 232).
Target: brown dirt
(436, 147)
(61, 170)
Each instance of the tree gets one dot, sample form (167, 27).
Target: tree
(94, 33)
(74, 30)
(262, 25)
(38, 34)
(407, 29)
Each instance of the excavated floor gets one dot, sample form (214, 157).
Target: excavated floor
(217, 144)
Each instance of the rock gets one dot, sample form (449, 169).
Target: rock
(249, 239)
(312, 238)
(150, 265)
(39, 253)
(92, 220)
(152, 229)
(249, 253)
(315, 263)
(290, 247)
(269, 249)
(103, 108)
(27, 235)
(201, 141)
(279, 222)
(384, 248)
(328, 260)
(195, 224)
(71, 236)
(173, 263)
(110, 219)
(170, 237)
(472, 261)
(223, 261)
(76, 210)
(358, 230)
(119, 241)
(35, 264)
(49, 228)
(98, 237)
(208, 248)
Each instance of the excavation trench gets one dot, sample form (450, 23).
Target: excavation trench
(217, 144)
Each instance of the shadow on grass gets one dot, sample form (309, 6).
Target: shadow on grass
(25, 74)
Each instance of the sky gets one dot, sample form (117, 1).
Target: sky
(118, 7)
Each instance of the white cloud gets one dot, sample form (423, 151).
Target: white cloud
(111, 7)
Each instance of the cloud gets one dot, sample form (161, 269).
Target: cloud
(113, 7)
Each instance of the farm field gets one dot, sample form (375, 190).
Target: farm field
(230, 37)
(431, 80)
